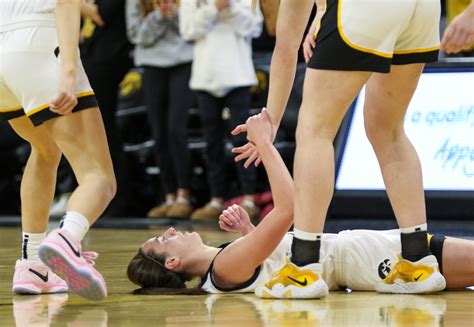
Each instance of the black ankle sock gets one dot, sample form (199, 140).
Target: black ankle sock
(415, 245)
(305, 252)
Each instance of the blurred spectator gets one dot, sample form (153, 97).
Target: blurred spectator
(262, 46)
(14, 153)
(106, 55)
(222, 73)
(153, 26)
(459, 35)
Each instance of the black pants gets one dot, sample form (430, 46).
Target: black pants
(168, 99)
(210, 108)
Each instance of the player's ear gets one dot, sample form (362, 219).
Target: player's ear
(172, 263)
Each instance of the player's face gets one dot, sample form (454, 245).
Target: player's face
(173, 243)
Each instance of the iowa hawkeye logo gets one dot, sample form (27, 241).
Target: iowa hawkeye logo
(384, 268)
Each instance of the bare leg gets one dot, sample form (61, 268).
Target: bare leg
(39, 178)
(326, 97)
(387, 99)
(458, 263)
(81, 137)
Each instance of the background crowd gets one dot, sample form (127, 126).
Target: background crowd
(172, 78)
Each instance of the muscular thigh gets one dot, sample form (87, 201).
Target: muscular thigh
(327, 95)
(81, 137)
(38, 137)
(388, 95)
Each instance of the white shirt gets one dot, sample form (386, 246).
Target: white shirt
(222, 44)
(276, 261)
(16, 14)
(356, 259)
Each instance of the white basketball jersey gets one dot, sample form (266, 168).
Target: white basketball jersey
(276, 261)
(16, 14)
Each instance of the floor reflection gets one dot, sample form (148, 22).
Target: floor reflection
(339, 309)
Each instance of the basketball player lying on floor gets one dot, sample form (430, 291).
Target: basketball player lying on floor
(357, 259)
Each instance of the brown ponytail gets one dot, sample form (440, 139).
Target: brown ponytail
(149, 272)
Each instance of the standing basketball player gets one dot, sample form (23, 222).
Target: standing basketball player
(44, 92)
(381, 44)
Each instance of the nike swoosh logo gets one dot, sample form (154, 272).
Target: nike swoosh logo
(416, 278)
(77, 253)
(44, 278)
(304, 283)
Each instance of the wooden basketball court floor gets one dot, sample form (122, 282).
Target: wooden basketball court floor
(121, 308)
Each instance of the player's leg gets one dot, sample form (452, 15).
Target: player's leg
(327, 95)
(39, 178)
(37, 192)
(458, 262)
(387, 100)
(81, 137)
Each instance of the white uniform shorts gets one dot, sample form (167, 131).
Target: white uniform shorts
(362, 258)
(29, 75)
(371, 35)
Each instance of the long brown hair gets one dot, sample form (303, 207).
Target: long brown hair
(149, 272)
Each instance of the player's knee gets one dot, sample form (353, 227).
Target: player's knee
(379, 133)
(105, 183)
(49, 154)
(318, 130)
(110, 186)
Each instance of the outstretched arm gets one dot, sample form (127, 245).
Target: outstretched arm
(239, 260)
(68, 20)
(291, 23)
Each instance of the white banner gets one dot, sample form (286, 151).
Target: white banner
(440, 124)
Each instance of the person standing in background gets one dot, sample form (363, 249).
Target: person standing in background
(106, 55)
(222, 73)
(262, 47)
(153, 26)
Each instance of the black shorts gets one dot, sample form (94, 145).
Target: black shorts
(367, 35)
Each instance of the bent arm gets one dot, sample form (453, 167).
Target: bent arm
(68, 21)
(144, 31)
(196, 21)
(291, 23)
(244, 22)
(239, 260)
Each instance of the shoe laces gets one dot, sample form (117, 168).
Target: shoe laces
(90, 257)
(278, 273)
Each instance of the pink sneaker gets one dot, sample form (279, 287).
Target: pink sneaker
(63, 254)
(33, 277)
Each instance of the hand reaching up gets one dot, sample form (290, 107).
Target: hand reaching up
(259, 130)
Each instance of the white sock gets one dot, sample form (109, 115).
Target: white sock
(248, 203)
(181, 200)
(307, 236)
(76, 224)
(414, 229)
(215, 204)
(29, 246)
